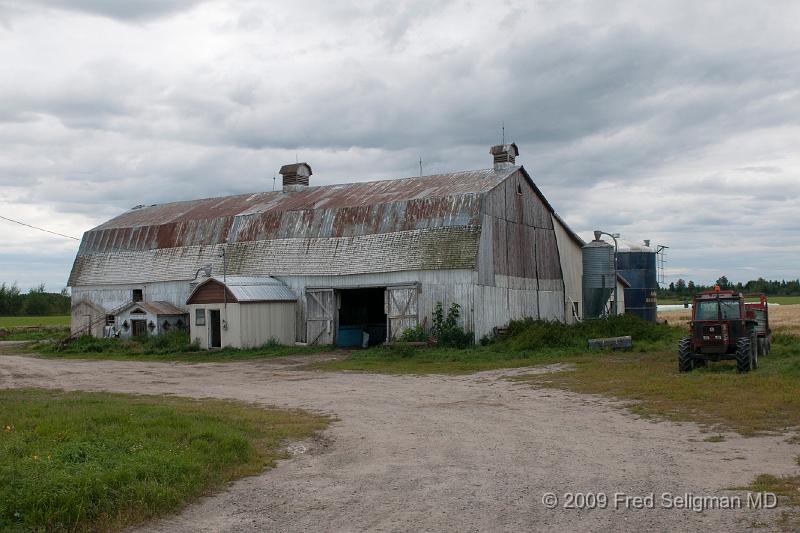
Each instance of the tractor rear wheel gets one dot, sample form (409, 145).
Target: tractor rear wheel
(744, 358)
(685, 356)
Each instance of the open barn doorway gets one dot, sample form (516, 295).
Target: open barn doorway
(361, 311)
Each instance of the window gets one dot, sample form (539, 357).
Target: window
(200, 317)
(137, 295)
(519, 188)
(729, 309)
(706, 310)
(109, 320)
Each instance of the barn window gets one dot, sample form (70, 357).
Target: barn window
(200, 317)
(109, 320)
(519, 188)
(137, 295)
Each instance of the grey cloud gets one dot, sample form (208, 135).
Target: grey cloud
(124, 10)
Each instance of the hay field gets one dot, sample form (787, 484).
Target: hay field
(783, 318)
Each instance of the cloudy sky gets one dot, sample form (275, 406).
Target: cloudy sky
(673, 121)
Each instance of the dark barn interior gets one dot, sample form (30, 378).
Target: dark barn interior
(360, 311)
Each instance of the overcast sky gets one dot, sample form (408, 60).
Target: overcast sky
(674, 121)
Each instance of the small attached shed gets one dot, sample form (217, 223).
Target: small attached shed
(149, 318)
(242, 312)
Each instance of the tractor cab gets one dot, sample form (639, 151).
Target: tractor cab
(722, 327)
(719, 318)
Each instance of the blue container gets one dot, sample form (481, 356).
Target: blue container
(349, 336)
(639, 269)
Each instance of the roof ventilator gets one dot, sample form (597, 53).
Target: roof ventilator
(504, 155)
(295, 176)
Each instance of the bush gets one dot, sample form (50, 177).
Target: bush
(533, 334)
(415, 334)
(447, 330)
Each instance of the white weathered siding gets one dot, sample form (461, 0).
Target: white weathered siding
(263, 321)
(229, 315)
(446, 286)
(103, 299)
(571, 269)
(249, 325)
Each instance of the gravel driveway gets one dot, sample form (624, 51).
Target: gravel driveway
(441, 453)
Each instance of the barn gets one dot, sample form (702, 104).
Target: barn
(371, 257)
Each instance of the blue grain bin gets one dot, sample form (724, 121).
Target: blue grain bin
(598, 277)
(637, 264)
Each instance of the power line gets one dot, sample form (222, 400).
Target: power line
(40, 229)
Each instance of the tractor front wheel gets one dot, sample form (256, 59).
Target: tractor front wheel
(744, 357)
(685, 356)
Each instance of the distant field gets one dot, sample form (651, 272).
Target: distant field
(13, 321)
(783, 300)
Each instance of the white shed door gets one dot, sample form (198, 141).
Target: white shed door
(402, 309)
(320, 308)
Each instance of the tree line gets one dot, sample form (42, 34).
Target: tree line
(684, 289)
(36, 302)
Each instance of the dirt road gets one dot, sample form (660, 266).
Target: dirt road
(441, 453)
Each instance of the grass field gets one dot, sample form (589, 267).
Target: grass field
(766, 400)
(97, 462)
(14, 321)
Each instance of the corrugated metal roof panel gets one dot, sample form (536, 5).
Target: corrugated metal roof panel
(263, 293)
(253, 288)
(376, 207)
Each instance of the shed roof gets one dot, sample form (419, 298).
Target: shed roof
(156, 308)
(245, 289)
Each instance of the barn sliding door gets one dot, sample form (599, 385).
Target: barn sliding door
(320, 308)
(402, 309)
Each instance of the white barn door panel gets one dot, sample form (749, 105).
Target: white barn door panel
(320, 309)
(402, 309)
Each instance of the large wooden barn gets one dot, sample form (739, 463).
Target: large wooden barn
(373, 257)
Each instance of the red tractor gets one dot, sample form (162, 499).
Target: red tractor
(723, 327)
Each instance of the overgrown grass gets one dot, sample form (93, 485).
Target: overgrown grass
(527, 343)
(761, 401)
(14, 321)
(76, 461)
(170, 346)
(787, 489)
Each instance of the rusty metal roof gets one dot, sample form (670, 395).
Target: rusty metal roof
(427, 222)
(353, 209)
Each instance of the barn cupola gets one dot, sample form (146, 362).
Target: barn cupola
(504, 155)
(295, 176)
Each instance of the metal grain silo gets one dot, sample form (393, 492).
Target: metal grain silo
(598, 277)
(637, 264)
